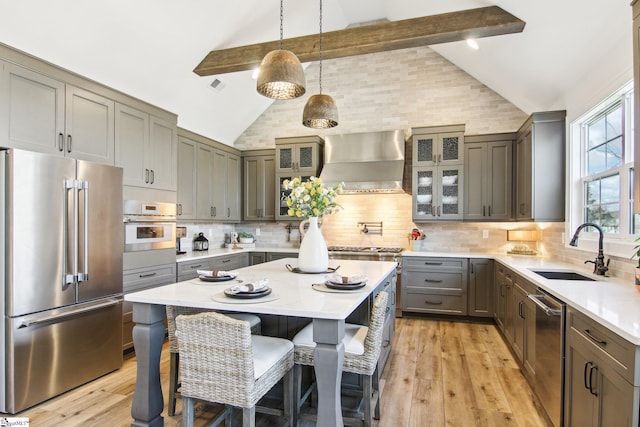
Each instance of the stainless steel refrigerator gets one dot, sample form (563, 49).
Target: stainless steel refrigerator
(62, 274)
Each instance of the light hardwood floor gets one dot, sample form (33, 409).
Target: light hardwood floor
(440, 373)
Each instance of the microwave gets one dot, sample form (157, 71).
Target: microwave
(149, 225)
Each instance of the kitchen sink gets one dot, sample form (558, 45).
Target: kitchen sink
(563, 275)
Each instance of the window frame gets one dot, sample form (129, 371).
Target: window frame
(618, 244)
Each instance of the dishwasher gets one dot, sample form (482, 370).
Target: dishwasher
(549, 354)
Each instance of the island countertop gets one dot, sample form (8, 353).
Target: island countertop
(292, 293)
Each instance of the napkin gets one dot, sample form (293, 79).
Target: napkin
(256, 286)
(216, 273)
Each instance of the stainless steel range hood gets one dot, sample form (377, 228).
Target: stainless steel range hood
(371, 162)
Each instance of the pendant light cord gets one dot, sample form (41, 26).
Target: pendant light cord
(320, 77)
(281, 24)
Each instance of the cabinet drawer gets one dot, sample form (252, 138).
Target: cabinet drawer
(140, 278)
(435, 279)
(231, 262)
(187, 270)
(435, 303)
(434, 263)
(599, 337)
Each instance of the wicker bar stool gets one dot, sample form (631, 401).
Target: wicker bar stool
(222, 362)
(172, 313)
(362, 346)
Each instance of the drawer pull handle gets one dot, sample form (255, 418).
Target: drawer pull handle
(596, 340)
(432, 302)
(225, 261)
(432, 281)
(195, 266)
(432, 263)
(387, 310)
(148, 275)
(385, 343)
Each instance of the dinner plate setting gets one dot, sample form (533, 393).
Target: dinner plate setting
(339, 282)
(257, 289)
(216, 275)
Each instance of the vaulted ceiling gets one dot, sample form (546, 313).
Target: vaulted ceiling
(149, 48)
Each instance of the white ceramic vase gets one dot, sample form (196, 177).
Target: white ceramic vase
(313, 256)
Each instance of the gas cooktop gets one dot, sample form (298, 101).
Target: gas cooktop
(365, 249)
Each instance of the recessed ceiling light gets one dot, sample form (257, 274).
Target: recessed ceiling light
(473, 44)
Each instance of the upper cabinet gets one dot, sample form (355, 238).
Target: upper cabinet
(44, 114)
(438, 146)
(540, 168)
(437, 173)
(209, 179)
(295, 157)
(146, 149)
(259, 171)
(488, 173)
(299, 155)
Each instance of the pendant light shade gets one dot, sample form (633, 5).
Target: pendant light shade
(281, 75)
(320, 111)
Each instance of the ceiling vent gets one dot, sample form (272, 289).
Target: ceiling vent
(217, 84)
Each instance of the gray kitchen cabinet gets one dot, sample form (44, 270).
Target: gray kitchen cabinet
(437, 193)
(299, 155)
(45, 114)
(480, 288)
(272, 256)
(281, 205)
(437, 173)
(488, 174)
(217, 182)
(434, 285)
(259, 172)
(388, 285)
(226, 186)
(524, 325)
(146, 149)
(186, 178)
(540, 168)
(504, 313)
(230, 262)
(188, 269)
(601, 384)
(257, 258)
(136, 280)
(438, 146)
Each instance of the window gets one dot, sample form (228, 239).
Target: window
(605, 185)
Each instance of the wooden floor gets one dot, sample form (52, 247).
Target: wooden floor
(441, 373)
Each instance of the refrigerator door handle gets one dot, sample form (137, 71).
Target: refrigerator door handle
(71, 276)
(56, 317)
(83, 276)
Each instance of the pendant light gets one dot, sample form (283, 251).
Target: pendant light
(281, 74)
(320, 111)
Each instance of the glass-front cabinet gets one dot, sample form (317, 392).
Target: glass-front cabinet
(437, 193)
(437, 148)
(437, 173)
(299, 155)
(282, 193)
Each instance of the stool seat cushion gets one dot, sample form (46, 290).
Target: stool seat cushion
(353, 340)
(267, 351)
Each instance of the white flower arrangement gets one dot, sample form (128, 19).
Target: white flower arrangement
(311, 198)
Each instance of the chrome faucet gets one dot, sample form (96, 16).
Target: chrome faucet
(599, 267)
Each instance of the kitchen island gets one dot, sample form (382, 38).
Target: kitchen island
(292, 295)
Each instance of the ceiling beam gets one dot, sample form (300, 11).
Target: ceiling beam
(382, 37)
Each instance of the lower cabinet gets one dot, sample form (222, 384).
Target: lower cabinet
(272, 256)
(189, 269)
(599, 376)
(434, 285)
(137, 280)
(257, 258)
(524, 325)
(480, 288)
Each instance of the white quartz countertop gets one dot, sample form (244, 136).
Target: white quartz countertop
(292, 293)
(612, 302)
(218, 252)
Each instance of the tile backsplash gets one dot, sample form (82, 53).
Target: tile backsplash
(394, 211)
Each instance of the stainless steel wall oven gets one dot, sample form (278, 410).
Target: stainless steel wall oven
(149, 225)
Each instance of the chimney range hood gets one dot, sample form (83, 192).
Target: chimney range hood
(370, 162)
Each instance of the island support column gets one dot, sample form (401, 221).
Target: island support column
(328, 359)
(148, 335)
